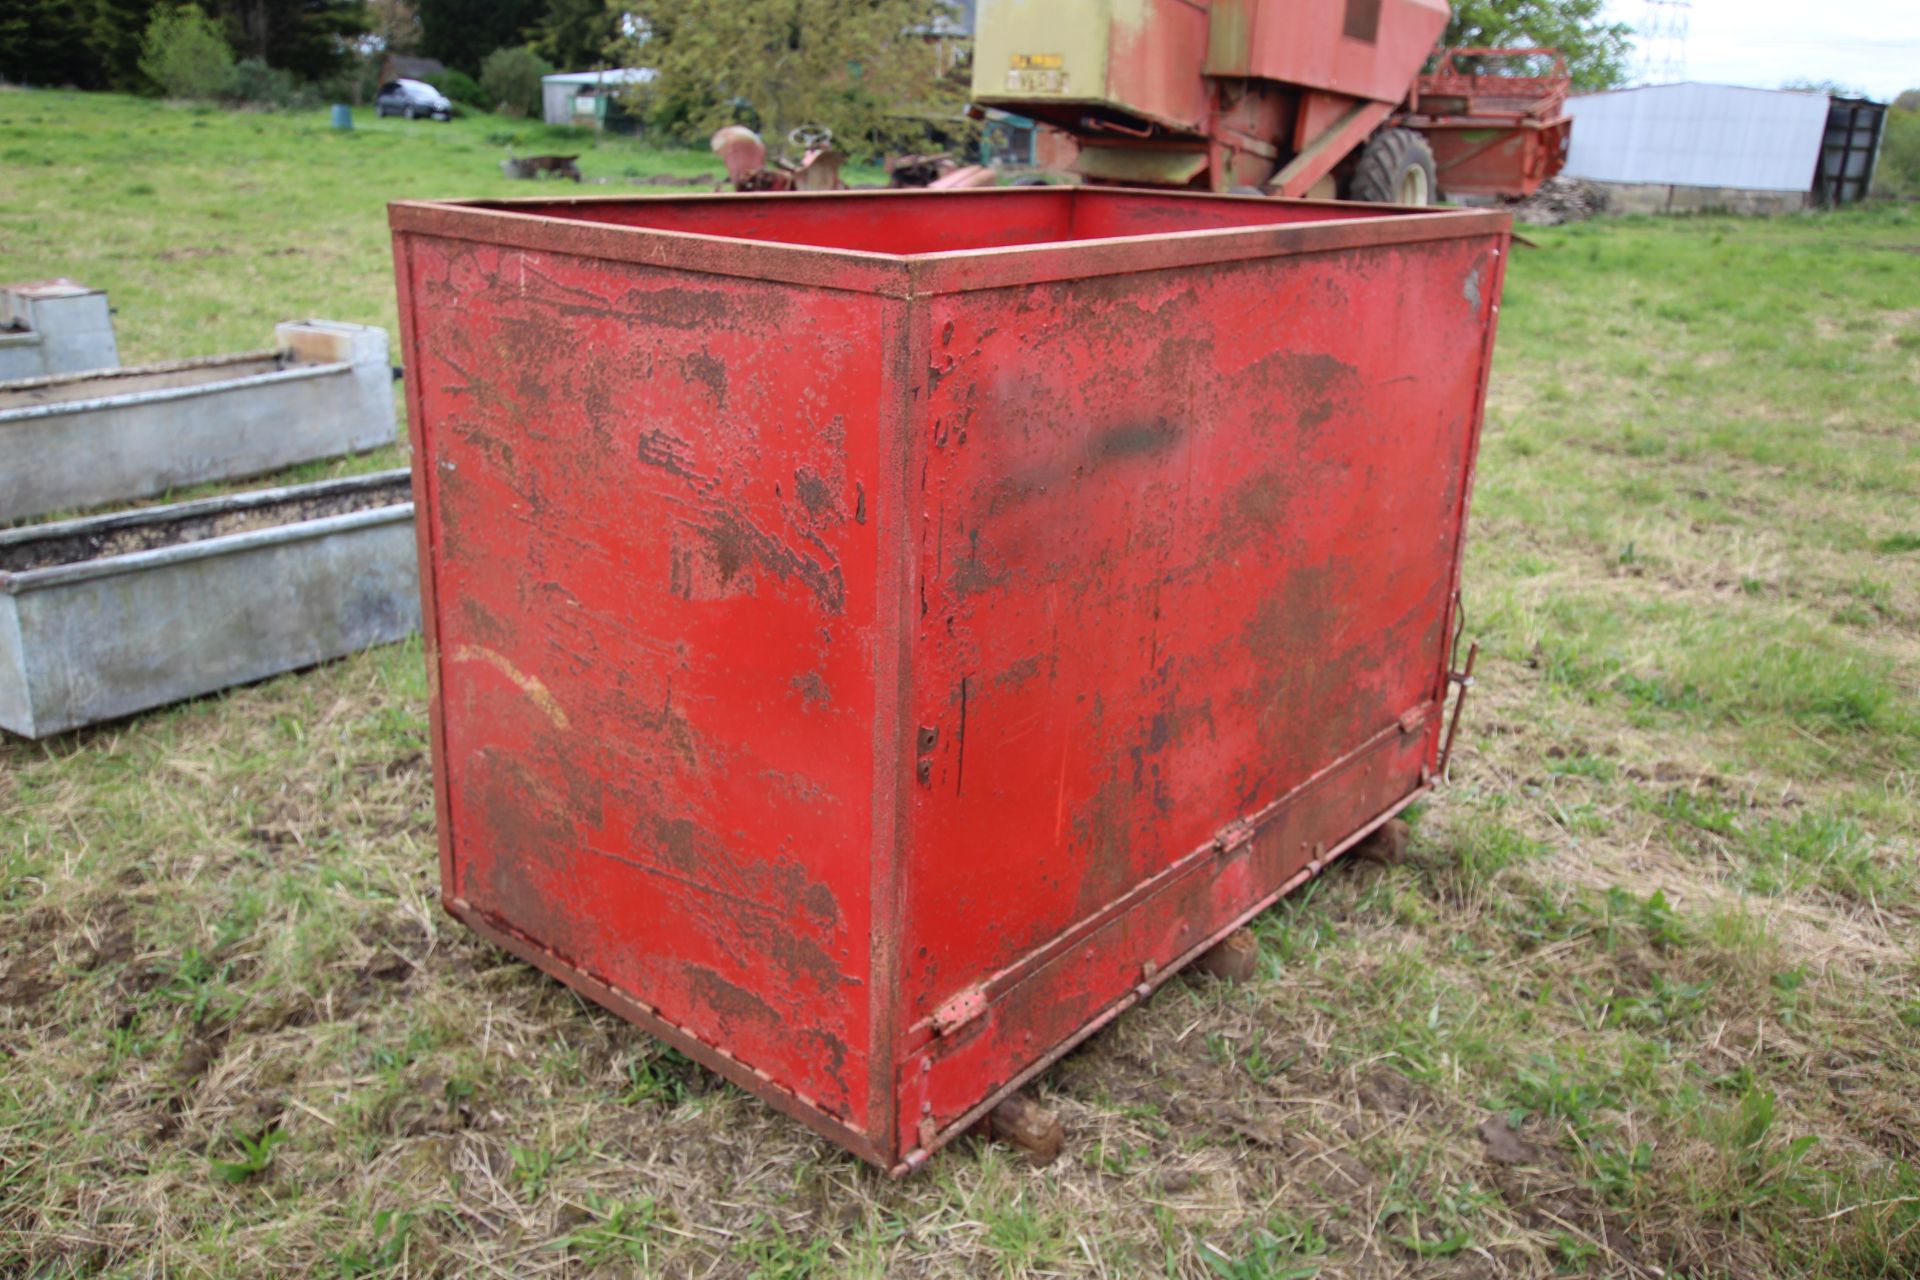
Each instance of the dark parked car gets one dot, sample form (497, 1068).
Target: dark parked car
(411, 98)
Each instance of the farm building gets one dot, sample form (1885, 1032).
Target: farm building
(591, 98)
(1673, 147)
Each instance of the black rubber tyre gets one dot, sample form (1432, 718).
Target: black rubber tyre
(1396, 167)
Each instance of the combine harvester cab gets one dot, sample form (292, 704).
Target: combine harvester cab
(1492, 134)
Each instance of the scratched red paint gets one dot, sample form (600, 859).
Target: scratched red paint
(878, 636)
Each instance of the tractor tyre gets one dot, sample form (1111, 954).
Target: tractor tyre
(1396, 167)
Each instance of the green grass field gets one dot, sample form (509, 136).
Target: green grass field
(1645, 1001)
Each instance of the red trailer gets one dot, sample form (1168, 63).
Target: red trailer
(1491, 133)
(878, 637)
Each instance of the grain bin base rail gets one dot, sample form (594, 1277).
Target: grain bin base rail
(90, 439)
(109, 615)
(878, 637)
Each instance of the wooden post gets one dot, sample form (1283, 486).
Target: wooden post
(1021, 1122)
(1235, 958)
(1387, 845)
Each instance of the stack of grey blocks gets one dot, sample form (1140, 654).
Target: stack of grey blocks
(50, 327)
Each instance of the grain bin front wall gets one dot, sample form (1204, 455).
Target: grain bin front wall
(1188, 542)
(649, 511)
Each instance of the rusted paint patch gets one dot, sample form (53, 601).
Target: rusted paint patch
(1313, 383)
(732, 1002)
(700, 366)
(815, 494)
(669, 453)
(813, 690)
(971, 574)
(1135, 439)
(1019, 673)
(718, 560)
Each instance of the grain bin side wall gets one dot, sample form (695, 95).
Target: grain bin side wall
(651, 504)
(1191, 542)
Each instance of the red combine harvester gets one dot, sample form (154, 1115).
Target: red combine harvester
(1281, 97)
(1492, 134)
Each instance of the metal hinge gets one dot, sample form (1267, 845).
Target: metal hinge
(959, 1011)
(1235, 835)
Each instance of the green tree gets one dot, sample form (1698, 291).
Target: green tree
(510, 79)
(45, 42)
(857, 66)
(576, 35)
(461, 33)
(185, 54)
(395, 24)
(306, 37)
(1899, 171)
(115, 31)
(1596, 50)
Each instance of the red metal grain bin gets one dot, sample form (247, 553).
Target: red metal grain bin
(877, 637)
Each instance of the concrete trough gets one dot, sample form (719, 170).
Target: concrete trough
(51, 327)
(109, 615)
(84, 440)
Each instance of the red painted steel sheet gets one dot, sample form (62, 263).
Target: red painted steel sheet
(877, 637)
(1495, 158)
(1368, 49)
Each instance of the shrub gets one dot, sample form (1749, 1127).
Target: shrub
(510, 80)
(462, 88)
(184, 53)
(260, 85)
(1899, 171)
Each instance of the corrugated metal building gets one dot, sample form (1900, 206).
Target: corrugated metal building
(1698, 146)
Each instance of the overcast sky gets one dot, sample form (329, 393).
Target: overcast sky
(1872, 45)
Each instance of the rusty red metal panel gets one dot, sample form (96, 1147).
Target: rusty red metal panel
(878, 637)
(1152, 61)
(1367, 49)
(1171, 569)
(1504, 160)
(655, 637)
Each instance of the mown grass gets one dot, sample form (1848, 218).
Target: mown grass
(1645, 1000)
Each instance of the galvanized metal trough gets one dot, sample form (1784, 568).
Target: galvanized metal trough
(113, 614)
(83, 440)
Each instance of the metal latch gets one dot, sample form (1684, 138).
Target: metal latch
(1463, 678)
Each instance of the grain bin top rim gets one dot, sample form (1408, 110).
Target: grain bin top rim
(1175, 229)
